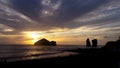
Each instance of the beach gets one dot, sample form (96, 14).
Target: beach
(92, 58)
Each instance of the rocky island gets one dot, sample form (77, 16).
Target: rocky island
(45, 42)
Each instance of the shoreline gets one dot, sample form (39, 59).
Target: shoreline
(86, 57)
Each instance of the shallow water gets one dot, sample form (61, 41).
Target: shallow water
(28, 52)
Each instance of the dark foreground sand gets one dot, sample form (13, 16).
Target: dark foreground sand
(87, 58)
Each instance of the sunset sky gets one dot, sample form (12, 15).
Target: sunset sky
(65, 21)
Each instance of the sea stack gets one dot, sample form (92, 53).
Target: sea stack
(45, 42)
(94, 43)
(88, 44)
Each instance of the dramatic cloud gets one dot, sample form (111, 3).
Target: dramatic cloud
(17, 16)
(48, 13)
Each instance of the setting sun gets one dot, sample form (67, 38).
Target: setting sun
(34, 36)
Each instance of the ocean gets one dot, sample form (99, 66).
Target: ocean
(13, 53)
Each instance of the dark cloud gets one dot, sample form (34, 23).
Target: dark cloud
(72, 9)
(27, 7)
(36, 15)
(69, 10)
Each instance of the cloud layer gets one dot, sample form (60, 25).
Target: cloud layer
(42, 15)
(48, 13)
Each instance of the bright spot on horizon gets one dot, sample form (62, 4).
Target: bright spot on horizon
(34, 36)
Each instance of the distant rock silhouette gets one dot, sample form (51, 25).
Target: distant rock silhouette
(94, 43)
(45, 42)
(53, 43)
(88, 44)
(112, 45)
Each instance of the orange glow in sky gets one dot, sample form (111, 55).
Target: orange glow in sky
(33, 36)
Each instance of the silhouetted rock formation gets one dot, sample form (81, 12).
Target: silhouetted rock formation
(45, 42)
(112, 45)
(94, 43)
(88, 43)
(53, 43)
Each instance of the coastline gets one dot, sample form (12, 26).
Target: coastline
(93, 57)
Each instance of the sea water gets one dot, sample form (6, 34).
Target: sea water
(13, 53)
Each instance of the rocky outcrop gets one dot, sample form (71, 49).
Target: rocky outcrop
(88, 44)
(45, 42)
(94, 43)
(112, 45)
